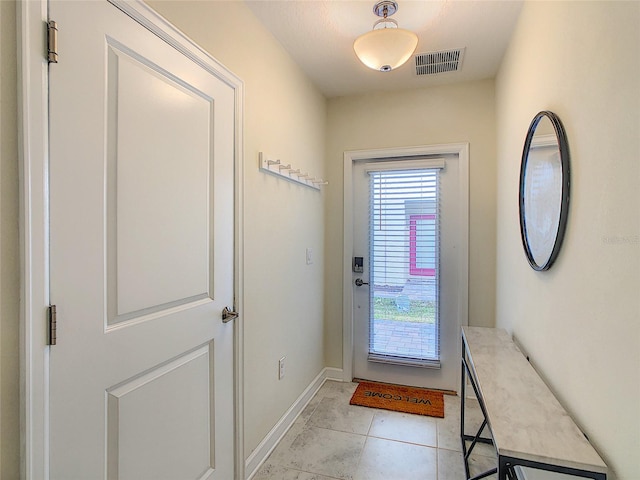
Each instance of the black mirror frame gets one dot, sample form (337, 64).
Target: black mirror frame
(563, 147)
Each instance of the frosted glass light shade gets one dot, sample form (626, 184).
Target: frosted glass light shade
(385, 49)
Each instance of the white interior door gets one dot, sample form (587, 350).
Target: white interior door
(408, 312)
(141, 255)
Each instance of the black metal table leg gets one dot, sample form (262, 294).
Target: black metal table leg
(466, 452)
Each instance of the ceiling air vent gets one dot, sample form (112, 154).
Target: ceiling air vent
(439, 62)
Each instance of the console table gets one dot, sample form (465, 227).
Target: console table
(529, 427)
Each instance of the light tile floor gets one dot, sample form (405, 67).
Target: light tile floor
(334, 440)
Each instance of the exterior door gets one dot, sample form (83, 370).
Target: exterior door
(141, 255)
(406, 309)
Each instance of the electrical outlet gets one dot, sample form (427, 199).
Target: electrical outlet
(309, 256)
(281, 368)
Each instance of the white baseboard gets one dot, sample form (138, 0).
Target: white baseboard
(332, 373)
(267, 445)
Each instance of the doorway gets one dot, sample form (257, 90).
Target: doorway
(142, 370)
(406, 225)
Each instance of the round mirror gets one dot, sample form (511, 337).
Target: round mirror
(544, 190)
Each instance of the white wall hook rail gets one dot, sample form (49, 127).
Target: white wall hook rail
(276, 167)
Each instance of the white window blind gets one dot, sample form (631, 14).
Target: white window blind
(404, 250)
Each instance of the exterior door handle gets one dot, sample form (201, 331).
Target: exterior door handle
(360, 282)
(228, 315)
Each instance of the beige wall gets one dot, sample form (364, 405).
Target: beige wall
(9, 253)
(285, 117)
(445, 114)
(580, 321)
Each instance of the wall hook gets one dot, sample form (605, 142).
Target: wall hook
(287, 172)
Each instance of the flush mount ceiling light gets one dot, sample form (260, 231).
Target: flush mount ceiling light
(386, 47)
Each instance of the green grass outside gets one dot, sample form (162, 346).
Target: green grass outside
(418, 312)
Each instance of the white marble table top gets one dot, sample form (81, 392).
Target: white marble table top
(525, 418)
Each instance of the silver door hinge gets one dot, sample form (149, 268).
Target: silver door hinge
(52, 42)
(53, 325)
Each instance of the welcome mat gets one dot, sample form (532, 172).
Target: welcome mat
(399, 398)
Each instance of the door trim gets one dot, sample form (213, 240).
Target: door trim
(33, 144)
(459, 149)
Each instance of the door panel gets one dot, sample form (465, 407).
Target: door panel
(181, 392)
(141, 254)
(158, 188)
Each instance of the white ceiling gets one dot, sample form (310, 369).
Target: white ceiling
(319, 35)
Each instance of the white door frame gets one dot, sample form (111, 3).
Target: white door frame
(33, 127)
(459, 149)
